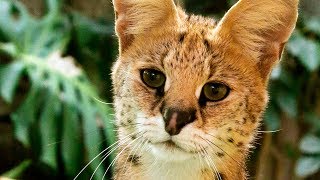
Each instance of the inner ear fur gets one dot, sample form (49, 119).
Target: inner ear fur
(261, 28)
(138, 18)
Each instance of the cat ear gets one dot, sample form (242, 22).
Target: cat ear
(260, 28)
(135, 18)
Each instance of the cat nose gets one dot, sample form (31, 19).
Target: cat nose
(176, 119)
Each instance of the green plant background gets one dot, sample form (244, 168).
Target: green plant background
(55, 59)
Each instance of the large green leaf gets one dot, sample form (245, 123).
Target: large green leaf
(38, 37)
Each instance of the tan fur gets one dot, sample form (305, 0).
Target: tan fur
(239, 51)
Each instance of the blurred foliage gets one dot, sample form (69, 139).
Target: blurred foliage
(60, 118)
(65, 126)
(295, 91)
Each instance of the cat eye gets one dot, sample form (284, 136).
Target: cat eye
(153, 78)
(215, 91)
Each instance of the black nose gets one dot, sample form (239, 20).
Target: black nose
(176, 119)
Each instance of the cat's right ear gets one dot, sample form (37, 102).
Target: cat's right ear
(136, 18)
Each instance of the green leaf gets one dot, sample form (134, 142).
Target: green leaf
(307, 166)
(313, 24)
(307, 50)
(72, 144)
(310, 144)
(92, 136)
(23, 118)
(14, 19)
(9, 79)
(17, 171)
(287, 101)
(49, 124)
(313, 119)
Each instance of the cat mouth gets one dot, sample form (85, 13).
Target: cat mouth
(170, 151)
(172, 146)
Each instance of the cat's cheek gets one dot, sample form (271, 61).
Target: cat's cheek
(152, 128)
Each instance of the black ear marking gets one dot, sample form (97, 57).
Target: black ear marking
(206, 43)
(182, 37)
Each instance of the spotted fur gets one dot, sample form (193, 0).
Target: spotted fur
(239, 51)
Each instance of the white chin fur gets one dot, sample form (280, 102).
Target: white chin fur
(173, 154)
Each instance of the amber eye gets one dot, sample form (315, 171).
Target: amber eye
(215, 91)
(153, 78)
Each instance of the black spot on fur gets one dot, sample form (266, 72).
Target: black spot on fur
(188, 18)
(229, 129)
(231, 140)
(133, 137)
(240, 144)
(134, 159)
(244, 120)
(220, 154)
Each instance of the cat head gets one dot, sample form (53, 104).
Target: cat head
(185, 84)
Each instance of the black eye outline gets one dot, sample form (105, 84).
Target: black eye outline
(204, 97)
(144, 73)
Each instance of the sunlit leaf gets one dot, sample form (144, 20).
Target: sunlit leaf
(306, 50)
(307, 166)
(9, 79)
(14, 19)
(313, 24)
(310, 144)
(16, 172)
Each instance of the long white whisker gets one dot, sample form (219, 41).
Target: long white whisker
(113, 161)
(104, 157)
(206, 160)
(98, 156)
(274, 131)
(100, 101)
(214, 166)
(132, 152)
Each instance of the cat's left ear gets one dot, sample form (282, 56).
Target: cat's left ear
(140, 18)
(260, 28)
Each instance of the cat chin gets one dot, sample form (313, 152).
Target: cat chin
(169, 153)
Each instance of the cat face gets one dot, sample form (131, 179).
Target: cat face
(188, 61)
(186, 85)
